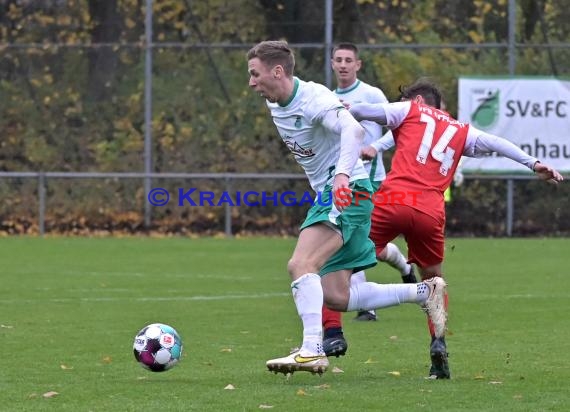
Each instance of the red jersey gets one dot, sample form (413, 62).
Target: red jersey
(429, 145)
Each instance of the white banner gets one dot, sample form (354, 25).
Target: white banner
(533, 113)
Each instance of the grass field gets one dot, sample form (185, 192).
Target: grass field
(70, 308)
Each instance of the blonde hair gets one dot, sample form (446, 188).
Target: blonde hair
(272, 53)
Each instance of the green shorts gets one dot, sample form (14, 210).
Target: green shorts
(358, 251)
(375, 185)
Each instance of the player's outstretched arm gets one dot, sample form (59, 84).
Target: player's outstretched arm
(480, 143)
(374, 112)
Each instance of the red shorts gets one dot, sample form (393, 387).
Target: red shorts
(424, 234)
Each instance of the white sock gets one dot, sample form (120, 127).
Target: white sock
(369, 295)
(308, 297)
(358, 277)
(396, 259)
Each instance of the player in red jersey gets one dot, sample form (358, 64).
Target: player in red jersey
(410, 202)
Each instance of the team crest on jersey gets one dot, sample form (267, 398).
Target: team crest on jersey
(299, 150)
(298, 122)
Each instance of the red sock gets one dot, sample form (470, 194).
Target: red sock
(430, 324)
(331, 318)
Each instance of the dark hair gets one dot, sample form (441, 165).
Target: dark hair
(272, 53)
(346, 46)
(428, 90)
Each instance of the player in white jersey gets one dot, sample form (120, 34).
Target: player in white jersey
(346, 63)
(351, 90)
(333, 242)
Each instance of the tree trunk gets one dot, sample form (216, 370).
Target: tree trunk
(103, 60)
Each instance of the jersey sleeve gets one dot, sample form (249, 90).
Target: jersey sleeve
(384, 143)
(396, 113)
(377, 96)
(322, 102)
(479, 143)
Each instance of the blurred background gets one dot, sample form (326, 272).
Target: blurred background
(103, 100)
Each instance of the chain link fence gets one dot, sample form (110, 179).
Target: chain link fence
(104, 101)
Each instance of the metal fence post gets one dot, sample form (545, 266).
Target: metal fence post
(148, 111)
(510, 206)
(42, 203)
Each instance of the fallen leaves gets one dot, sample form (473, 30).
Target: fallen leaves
(337, 370)
(263, 406)
(370, 360)
(50, 394)
(482, 377)
(394, 373)
(230, 387)
(65, 367)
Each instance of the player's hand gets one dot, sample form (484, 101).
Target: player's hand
(368, 153)
(342, 194)
(458, 178)
(545, 172)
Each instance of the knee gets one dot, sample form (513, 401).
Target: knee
(299, 266)
(336, 301)
(294, 267)
(335, 305)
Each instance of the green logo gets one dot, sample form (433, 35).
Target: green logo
(486, 104)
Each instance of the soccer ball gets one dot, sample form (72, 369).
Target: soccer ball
(157, 347)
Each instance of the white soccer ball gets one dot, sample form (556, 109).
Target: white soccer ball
(157, 347)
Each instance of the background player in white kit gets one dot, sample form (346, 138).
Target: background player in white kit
(350, 89)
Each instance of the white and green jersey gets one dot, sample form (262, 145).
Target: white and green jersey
(315, 144)
(360, 92)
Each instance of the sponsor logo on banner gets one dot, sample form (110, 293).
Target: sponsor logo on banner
(531, 112)
(485, 103)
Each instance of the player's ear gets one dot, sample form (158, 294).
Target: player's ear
(278, 71)
(419, 99)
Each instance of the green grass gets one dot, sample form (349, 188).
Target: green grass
(79, 302)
